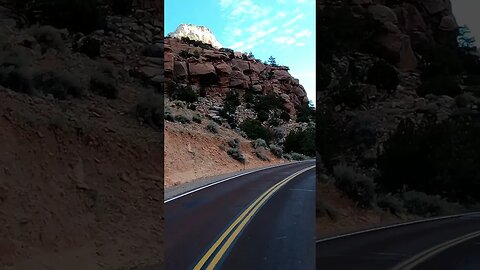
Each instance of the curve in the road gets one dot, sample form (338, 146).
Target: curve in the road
(195, 222)
(431, 252)
(414, 245)
(222, 245)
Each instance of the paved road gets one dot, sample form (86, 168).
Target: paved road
(451, 244)
(262, 220)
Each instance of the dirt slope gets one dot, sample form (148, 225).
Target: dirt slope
(71, 187)
(192, 152)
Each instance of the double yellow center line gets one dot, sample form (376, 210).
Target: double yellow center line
(233, 231)
(429, 253)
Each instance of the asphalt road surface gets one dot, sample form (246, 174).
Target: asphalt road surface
(444, 244)
(262, 220)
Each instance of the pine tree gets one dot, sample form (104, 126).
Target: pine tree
(272, 61)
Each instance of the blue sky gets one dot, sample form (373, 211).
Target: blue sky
(284, 29)
(466, 12)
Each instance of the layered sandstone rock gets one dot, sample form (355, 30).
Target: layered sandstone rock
(221, 71)
(408, 26)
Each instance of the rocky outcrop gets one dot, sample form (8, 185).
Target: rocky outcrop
(220, 71)
(408, 26)
(194, 32)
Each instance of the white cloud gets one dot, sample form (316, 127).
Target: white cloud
(300, 44)
(298, 17)
(237, 32)
(225, 3)
(284, 40)
(237, 45)
(281, 14)
(304, 33)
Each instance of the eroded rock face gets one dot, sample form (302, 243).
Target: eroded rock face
(409, 25)
(220, 72)
(195, 32)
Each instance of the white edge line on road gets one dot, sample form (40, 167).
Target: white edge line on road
(230, 178)
(395, 226)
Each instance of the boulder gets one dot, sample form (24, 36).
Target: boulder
(257, 88)
(412, 19)
(168, 58)
(223, 68)
(398, 45)
(282, 75)
(383, 14)
(242, 65)
(180, 70)
(448, 23)
(151, 71)
(238, 80)
(391, 28)
(435, 6)
(198, 69)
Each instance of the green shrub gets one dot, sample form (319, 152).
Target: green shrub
(150, 109)
(17, 79)
(475, 90)
(383, 75)
(274, 121)
(276, 150)
(58, 83)
(465, 100)
(185, 93)
(360, 188)
(305, 114)
(196, 118)
(182, 119)
(259, 143)
(254, 130)
(301, 141)
(350, 95)
(324, 209)
(48, 37)
(421, 204)
(440, 61)
(235, 143)
(16, 57)
(104, 86)
(295, 156)
(363, 129)
(262, 116)
(169, 115)
(391, 203)
(436, 158)
(249, 96)
(285, 116)
(442, 85)
(261, 155)
(237, 154)
(213, 127)
(90, 46)
(267, 103)
(231, 103)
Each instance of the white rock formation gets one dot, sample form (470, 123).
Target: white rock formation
(195, 32)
